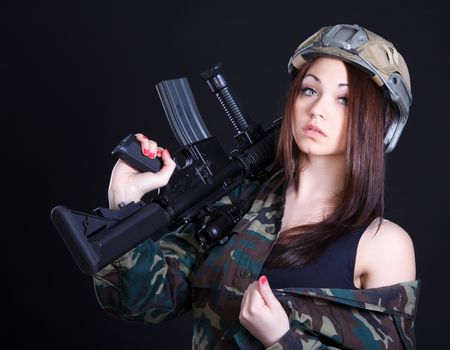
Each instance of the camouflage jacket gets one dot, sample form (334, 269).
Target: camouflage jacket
(157, 281)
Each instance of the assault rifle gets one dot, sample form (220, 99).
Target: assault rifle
(204, 173)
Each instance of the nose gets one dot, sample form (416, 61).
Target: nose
(316, 115)
(318, 109)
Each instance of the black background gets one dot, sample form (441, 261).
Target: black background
(80, 75)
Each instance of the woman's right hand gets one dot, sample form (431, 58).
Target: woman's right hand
(128, 184)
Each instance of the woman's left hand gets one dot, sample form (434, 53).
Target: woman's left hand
(262, 314)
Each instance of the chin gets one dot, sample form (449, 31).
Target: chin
(311, 147)
(319, 150)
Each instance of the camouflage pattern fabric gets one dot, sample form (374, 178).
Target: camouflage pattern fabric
(157, 281)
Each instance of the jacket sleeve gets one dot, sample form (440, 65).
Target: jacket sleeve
(362, 336)
(381, 318)
(150, 283)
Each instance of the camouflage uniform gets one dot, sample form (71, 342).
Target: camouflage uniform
(157, 281)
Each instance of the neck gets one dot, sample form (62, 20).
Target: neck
(321, 178)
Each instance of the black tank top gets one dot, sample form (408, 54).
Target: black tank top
(333, 268)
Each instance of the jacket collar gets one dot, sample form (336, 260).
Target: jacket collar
(399, 299)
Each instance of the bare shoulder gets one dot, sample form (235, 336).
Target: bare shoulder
(389, 235)
(387, 255)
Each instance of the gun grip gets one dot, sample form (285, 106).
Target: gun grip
(129, 150)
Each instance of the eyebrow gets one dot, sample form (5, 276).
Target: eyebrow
(318, 80)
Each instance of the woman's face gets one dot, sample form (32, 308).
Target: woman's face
(320, 110)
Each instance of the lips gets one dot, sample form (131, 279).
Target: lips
(313, 130)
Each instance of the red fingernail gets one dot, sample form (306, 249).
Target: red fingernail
(158, 153)
(263, 279)
(146, 150)
(152, 155)
(144, 137)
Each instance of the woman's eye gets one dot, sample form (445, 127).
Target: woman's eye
(308, 91)
(344, 100)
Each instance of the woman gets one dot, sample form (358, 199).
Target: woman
(342, 276)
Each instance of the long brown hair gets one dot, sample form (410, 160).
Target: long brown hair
(362, 197)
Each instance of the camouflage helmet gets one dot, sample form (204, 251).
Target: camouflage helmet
(371, 53)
